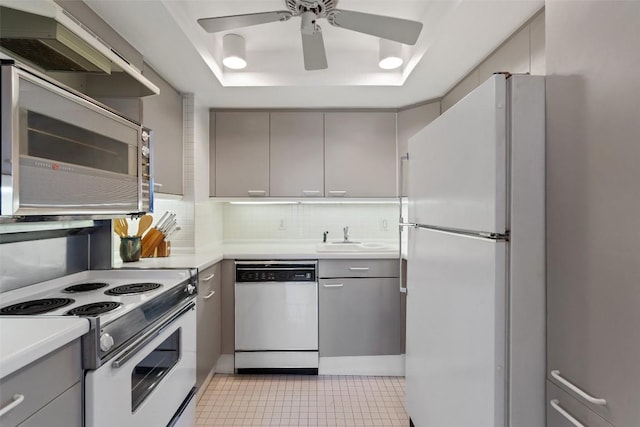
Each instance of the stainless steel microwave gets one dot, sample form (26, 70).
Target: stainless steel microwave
(65, 154)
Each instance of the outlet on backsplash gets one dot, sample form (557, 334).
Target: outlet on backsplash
(282, 224)
(384, 225)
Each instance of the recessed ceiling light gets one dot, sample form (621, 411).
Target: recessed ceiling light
(234, 52)
(390, 55)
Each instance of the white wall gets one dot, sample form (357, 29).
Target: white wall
(523, 52)
(308, 222)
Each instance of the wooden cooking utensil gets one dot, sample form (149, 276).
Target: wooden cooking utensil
(143, 224)
(117, 227)
(122, 225)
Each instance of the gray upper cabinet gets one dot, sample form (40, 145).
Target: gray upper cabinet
(163, 114)
(360, 154)
(242, 154)
(297, 154)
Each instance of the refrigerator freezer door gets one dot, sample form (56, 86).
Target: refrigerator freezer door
(455, 360)
(458, 173)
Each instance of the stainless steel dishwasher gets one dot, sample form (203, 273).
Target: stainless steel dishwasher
(276, 317)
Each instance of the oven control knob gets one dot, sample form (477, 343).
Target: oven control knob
(106, 342)
(191, 289)
(145, 151)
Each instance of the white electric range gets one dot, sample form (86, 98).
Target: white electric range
(139, 355)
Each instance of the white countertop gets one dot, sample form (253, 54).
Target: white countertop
(202, 259)
(25, 339)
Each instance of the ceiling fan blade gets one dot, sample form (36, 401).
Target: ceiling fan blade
(386, 27)
(222, 23)
(315, 57)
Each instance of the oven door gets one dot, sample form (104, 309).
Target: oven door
(145, 384)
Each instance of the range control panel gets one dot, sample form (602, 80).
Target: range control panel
(275, 272)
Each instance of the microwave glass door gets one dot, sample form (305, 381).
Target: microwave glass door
(59, 129)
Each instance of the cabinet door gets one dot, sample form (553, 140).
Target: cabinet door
(360, 154)
(163, 115)
(593, 293)
(297, 154)
(359, 317)
(242, 154)
(208, 322)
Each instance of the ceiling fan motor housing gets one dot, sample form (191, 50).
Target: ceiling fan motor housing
(320, 7)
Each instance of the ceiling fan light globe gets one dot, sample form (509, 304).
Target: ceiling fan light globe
(234, 62)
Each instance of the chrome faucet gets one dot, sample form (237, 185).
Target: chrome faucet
(324, 237)
(346, 234)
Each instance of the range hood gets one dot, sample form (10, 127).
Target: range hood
(44, 35)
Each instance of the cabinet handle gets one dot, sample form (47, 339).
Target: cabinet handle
(359, 268)
(209, 277)
(556, 374)
(337, 193)
(336, 285)
(209, 295)
(310, 193)
(17, 400)
(555, 404)
(257, 193)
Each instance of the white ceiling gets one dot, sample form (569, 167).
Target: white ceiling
(456, 36)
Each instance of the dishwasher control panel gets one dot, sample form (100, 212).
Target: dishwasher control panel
(276, 271)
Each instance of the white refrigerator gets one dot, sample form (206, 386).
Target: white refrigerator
(475, 352)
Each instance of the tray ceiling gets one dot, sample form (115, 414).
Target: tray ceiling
(456, 36)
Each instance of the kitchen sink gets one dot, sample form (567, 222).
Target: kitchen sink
(353, 247)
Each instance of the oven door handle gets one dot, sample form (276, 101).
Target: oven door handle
(118, 363)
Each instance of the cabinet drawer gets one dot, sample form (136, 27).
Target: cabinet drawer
(40, 383)
(65, 410)
(563, 410)
(359, 268)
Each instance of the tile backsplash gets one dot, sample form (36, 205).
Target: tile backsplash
(309, 221)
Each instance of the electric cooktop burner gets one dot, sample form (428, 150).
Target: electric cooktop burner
(36, 306)
(85, 287)
(94, 309)
(133, 288)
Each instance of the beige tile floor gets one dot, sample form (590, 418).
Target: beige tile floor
(292, 400)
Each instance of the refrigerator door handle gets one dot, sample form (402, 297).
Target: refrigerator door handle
(403, 159)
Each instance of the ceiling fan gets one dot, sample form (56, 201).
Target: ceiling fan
(315, 58)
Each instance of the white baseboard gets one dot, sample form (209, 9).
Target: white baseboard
(390, 366)
(205, 384)
(225, 364)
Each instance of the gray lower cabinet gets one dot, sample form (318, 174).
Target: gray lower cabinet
(208, 322)
(358, 316)
(563, 410)
(50, 388)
